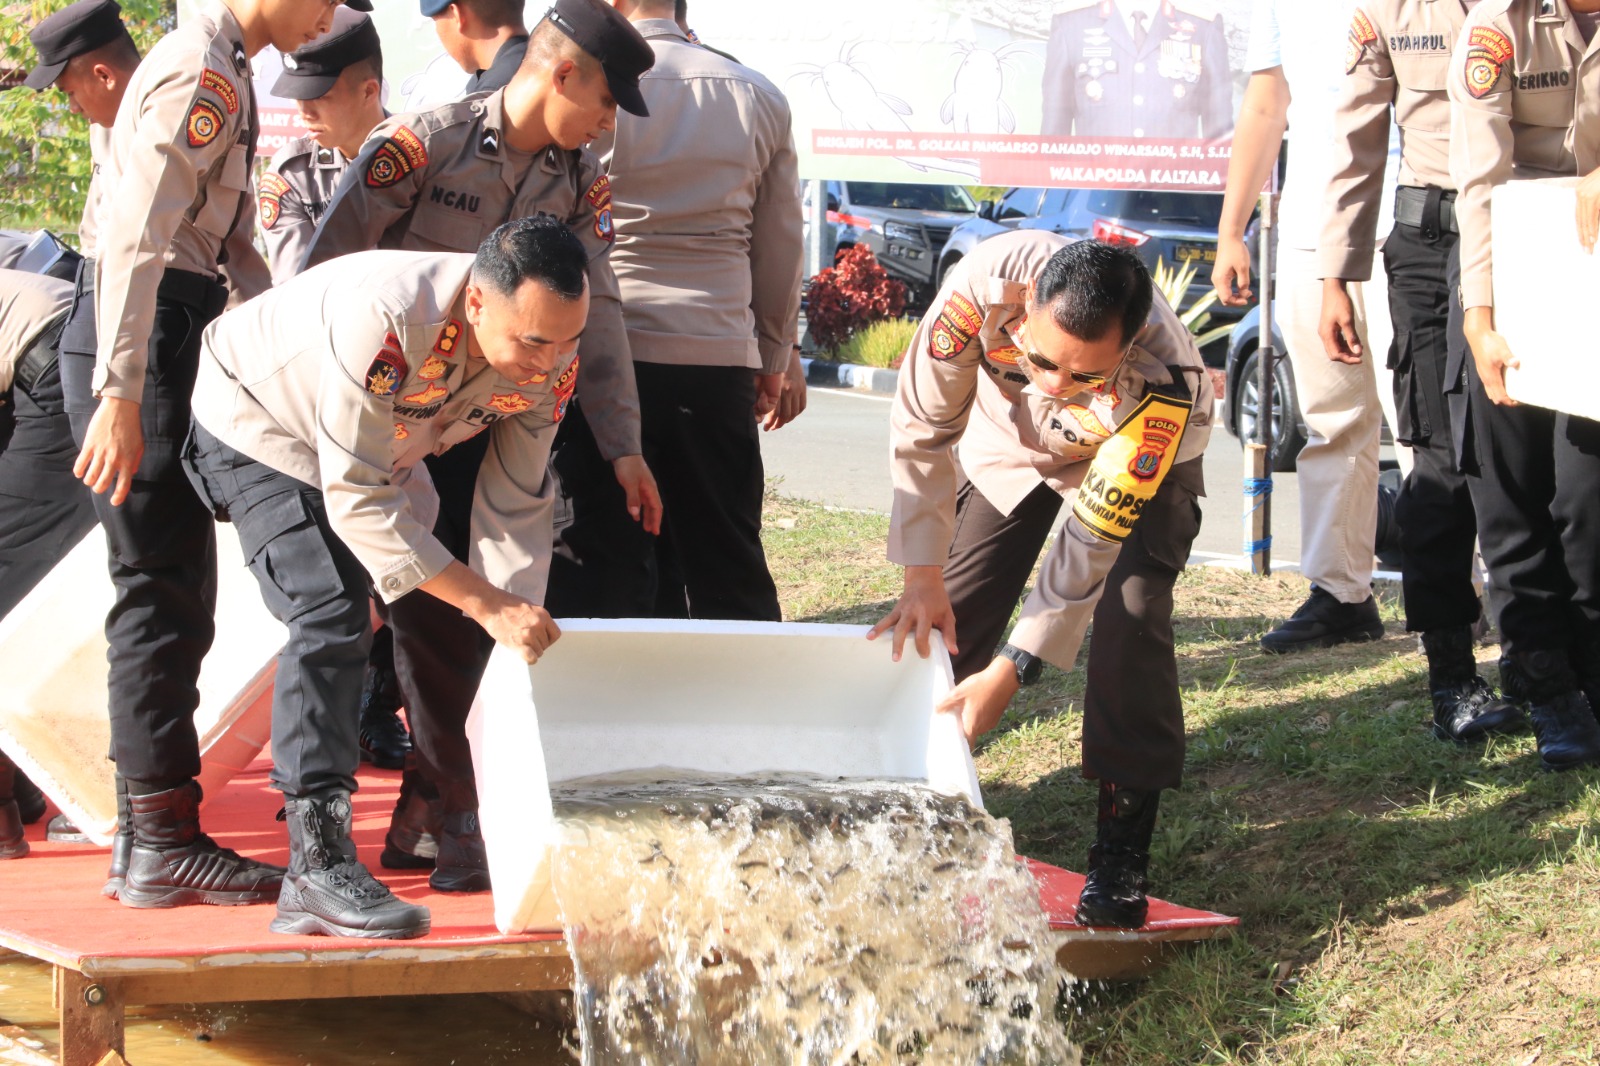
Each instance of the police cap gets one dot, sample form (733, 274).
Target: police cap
(598, 29)
(310, 70)
(72, 31)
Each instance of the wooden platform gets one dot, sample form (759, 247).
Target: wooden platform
(107, 956)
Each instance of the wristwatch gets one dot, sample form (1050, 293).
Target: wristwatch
(1028, 666)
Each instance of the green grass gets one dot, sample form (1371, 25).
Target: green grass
(879, 345)
(1403, 900)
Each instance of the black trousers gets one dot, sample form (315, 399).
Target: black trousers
(313, 585)
(1438, 525)
(1132, 710)
(1534, 475)
(702, 443)
(161, 541)
(44, 510)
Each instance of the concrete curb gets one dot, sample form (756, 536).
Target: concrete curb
(850, 376)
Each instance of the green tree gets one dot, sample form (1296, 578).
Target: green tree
(44, 147)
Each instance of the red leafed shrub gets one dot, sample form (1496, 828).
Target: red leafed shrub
(851, 295)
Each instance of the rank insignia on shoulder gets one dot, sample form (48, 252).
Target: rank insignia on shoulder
(272, 189)
(224, 89)
(1488, 51)
(489, 143)
(957, 324)
(449, 337)
(204, 123)
(388, 368)
(510, 403)
(1130, 467)
(398, 155)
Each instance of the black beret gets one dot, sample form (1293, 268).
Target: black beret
(600, 30)
(72, 31)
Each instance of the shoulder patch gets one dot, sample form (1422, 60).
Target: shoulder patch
(1488, 51)
(599, 197)
(958, 322)
(398, 155)
(272, 189)
(1362, 33)
(219, 84)
(1130, 466)
(204, 123)
(388, 368)
(568, 380)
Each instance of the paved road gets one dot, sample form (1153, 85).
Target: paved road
(838, 454)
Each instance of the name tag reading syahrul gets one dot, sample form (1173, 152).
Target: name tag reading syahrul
(1131, 465)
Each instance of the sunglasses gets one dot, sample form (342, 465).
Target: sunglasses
(1093, 381)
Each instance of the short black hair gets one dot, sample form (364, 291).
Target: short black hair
(538, 249)
(497, 13)
(680, 10)
(1091, 286)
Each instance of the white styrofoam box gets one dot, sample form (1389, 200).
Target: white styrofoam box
(53, 718)
(1544, 286)
(722, 697)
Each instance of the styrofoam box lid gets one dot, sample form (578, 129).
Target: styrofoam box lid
(724, 697)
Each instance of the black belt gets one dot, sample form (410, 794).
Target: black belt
(1431, 209)
(40, 356)
(203, 292)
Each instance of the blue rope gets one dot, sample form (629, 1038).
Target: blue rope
(1257, 489)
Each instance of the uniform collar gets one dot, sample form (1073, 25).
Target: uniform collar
(229, 27)
(650, 28)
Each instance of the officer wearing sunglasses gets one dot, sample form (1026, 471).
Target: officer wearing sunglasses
(1064, 377)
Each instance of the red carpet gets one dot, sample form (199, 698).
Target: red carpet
(51, 907)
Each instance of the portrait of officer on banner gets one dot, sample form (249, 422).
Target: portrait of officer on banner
(1137, 68)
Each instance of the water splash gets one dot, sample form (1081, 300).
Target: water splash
(789, 920)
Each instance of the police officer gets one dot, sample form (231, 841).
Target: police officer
(439, 181)
(313, 406)
(1061, 375)
(1524, 85)
(336, 82)
(1140, 68)
(1397, 56)
(486, 37)
(177, 185)
(711, 349)
(43, 506)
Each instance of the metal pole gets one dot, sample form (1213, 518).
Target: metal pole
(1258, 483)
(819, 223)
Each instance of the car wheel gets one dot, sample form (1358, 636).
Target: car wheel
(949, 269)
(1286, 443)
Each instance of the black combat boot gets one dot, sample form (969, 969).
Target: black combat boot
(1114, 890)
(415, 827)
(13, 845)
(173, 864)
(1466, 708)
(1323, 622)
(1563, 722)
(327, 891)
(384, 740)
(463, 864)
(121, 843)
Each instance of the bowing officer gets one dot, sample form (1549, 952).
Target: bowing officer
(1062, 375)
(440, 181)
(1137, 68)
(314, 405)
(1524, 85)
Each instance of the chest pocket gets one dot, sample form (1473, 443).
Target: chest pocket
(226, 185)
(1421, 98)
(437, 228)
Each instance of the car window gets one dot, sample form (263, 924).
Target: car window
(1019, 203)
(910, 197)
(1199, 209)
(1055, 201)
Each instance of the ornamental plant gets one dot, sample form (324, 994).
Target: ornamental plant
(851, 295)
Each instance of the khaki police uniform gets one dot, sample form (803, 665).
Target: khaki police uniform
(292, 196)
(709, 260)
(1100, 82)
(176, 193)
(1397, 59)
(44, 510)
(1524, 87)
(442, 181)
(1128, 459)
(315, 407)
